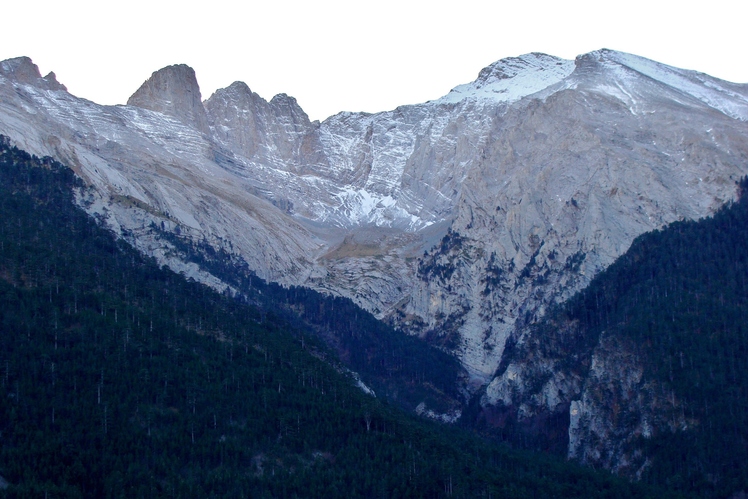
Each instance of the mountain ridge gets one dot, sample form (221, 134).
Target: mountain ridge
(459, 222)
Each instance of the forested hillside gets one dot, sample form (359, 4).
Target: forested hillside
(670, 319)
(122, 379)
(680, 296)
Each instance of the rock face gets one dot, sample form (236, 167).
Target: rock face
(603, 432)
(597, 388)
(23, 70)
(173, 91)
(278, 132)
(458, 220)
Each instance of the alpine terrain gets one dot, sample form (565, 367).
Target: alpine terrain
(461, 220)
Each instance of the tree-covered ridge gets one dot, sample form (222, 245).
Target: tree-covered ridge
(122, 379)
(675, 304)
(680, 296)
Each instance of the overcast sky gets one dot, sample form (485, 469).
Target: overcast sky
(354, 56)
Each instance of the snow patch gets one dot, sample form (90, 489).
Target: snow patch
(509, 80)
(361, 207)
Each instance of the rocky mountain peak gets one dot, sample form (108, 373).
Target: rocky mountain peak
(257, 129)
(641, 76)
(596, 55)
(52, 82)
(513, 66)
(238, 87)
(286, 100)
(288, 106)
(511, 79)
(598, 60)
(173, 91)
(238, 95)
(23, 70)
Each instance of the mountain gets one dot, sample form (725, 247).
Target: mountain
(121, 378)
(460, 221)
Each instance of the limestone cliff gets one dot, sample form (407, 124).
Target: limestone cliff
(173, 91)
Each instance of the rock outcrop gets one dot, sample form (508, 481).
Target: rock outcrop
(23, 70)
(277, 133)
(173, 91)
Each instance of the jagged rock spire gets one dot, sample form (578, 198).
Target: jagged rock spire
(23, 69)
(173, 91)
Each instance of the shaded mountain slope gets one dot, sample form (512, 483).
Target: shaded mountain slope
(646, 366)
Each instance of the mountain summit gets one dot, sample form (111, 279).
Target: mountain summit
(22, 69)
(173, 91)
(510, 79)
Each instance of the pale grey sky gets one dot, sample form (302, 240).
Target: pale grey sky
(350, 55)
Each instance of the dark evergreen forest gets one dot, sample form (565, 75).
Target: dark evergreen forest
(678, 301)
(119, 378)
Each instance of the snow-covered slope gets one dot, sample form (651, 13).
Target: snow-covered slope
(723, 96)
(509, 80)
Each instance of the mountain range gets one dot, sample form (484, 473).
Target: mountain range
(461, 221)
(121, 378)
